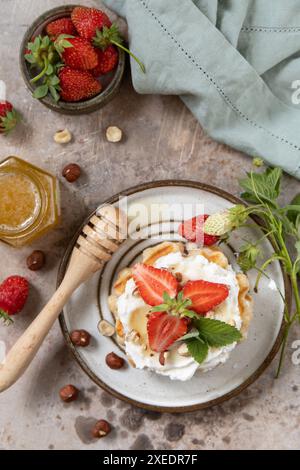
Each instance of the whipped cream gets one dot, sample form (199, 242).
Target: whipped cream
(132, 311)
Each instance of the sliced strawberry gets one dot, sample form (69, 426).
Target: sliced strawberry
(152, 283)
(192, 230)
(205, 295)
(164, 329)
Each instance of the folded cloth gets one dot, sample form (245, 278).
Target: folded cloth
(235, 64)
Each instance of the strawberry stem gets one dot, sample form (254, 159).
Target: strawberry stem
(5, 317)
(142, 66)
(42, 73)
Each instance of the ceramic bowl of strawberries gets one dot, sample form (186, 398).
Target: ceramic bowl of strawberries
(72, 59)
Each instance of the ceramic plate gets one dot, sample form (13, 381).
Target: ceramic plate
(146, 389)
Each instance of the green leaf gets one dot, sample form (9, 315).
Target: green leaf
(54, 80)
(274, 179)
(189, 314)
(198, 349)
(66, 44)
(54, 93)
(217, 333)
(294, 208)
(49, 70)
(29, 58)
(160, 308)
(247, 258)
(45, 41)
(262, 186)
(297, 246)
(40, 92)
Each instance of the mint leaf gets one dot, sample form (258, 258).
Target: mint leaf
(293, 209)
(262, 186)
(198, 349)
(216, 333)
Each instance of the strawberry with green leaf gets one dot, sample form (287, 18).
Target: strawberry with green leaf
(8, 117)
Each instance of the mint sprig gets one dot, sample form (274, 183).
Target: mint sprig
(209, 333)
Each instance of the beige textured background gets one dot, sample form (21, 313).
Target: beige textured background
(163, 140)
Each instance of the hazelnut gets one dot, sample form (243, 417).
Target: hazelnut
(114, 134)
(162, 358)
(68, 393)
(101, 429)
(36, 260)
(106, 328)
(134, 336)
(114, 361)
(63, 136)
(80, 338)
(71, 172)
(178, 277)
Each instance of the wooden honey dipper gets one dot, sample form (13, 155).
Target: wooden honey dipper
(97, 242)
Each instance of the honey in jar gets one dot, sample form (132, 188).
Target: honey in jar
(29, 202)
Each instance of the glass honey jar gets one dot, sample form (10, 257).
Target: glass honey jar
(29, 202)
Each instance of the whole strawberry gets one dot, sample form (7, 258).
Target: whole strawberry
(77, 53)
(8, 117)
(88, 20)
(76, 85)
(107, 61)
(60, 26)
(13, 295)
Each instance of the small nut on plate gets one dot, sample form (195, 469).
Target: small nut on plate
(114, 361)
(63, 136)
(178, 277)
(106, 328)
(112, 304)
(162, 357)
(183, 350)
(36, 260)
(134, 336)
(101, 429)
(114, 134)
(68, 393)
(71, 172)
(80, 338)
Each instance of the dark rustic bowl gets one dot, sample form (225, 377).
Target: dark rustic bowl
(111, 82)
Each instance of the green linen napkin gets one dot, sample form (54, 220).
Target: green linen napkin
(235, 64)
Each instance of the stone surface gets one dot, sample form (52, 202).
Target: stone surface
(162, 140)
